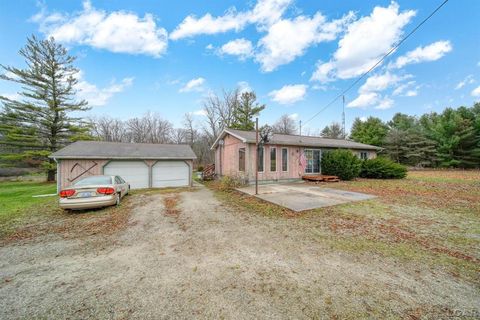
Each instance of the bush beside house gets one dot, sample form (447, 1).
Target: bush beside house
(382, 168)
(341, 163)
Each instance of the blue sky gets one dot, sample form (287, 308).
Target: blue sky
(165, 57)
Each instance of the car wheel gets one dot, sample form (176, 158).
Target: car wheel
(117, 200)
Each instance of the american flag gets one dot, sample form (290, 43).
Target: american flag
(303, 161)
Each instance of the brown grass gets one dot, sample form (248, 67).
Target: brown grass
(51, 220)
(170, 203)
(431, 217)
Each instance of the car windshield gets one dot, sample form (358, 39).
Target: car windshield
(94, 180)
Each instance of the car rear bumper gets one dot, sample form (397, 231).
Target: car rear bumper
(87, 203)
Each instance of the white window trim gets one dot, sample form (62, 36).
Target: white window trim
(276, 158)
(320, 165)
(263, 166)
(244, 159)
(287, 159)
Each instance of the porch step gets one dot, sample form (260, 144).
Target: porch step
(320, 177)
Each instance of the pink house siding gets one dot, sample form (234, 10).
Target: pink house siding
(227, 157)
(227, 160)
(294, 171)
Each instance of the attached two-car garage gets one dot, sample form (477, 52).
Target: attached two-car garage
(141, 165)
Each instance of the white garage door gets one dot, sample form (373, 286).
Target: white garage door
(133, 172)
(170, 174)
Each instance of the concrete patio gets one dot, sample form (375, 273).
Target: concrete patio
(303, 196)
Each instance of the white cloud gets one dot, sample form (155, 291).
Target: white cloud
(200, 112)
(431, 52)
(99, 96)
(287, 39)
(239, 47)
(365, 41)
(468, 80)
(209, 46)
(11, 75)
(244, 86)
(117, 31)
(193, 85)
(363, 119)
(364, 100)
(476, 92)
(371, 99)
(294, 116)
(289, 93)
(381, 82)
(385, 103)
(401, 88)
(11, 96)
(264, 13)
(411, 93)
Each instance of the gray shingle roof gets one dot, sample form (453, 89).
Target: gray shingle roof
(296, 140)
(117, 150)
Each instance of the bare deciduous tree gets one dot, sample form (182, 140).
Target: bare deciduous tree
(108, 129)
(285, 125)
(219, 111)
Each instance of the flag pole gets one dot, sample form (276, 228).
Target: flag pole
(256, 156)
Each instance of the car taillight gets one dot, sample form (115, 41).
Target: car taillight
(106, 190)
(66, 193)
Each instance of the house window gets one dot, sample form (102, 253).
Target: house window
(260, 159)
(241, 159)
(284, 159)
(313, 160)
(273, 159)
(363, 155)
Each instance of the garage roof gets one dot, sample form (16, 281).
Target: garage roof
(296, 140)
(120, 150)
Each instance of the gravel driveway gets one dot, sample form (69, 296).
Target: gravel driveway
(210, 261)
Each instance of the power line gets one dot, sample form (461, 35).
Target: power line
(378, 62)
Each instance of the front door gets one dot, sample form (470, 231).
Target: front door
(313, 157)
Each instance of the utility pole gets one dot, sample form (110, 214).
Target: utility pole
(256, 156)
(300, 127)
(343, 117)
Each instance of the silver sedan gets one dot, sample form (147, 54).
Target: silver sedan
(94, 192)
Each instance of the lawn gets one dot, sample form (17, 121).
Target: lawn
(16, 200)
(430, 218)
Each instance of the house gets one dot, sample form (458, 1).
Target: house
(279, 159)
(142, 165)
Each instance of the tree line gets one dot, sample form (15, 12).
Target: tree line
(47, 116)
(447, 139)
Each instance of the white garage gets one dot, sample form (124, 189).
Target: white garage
(134, 172)
(170, 174)
(142, 165)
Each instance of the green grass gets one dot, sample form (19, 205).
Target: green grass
(16, 199)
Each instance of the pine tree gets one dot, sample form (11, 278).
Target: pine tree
(245, 111)
(372, 131)
(333, 131)
(40, 123)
